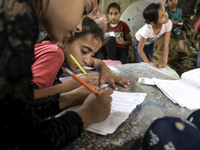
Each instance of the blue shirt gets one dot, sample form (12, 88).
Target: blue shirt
(177, 15)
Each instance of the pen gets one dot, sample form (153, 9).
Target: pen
(66, 70)
(78, 64)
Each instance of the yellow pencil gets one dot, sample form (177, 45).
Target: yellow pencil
(78, 64)
(66, 70)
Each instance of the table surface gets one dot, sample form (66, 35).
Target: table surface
(156, 105)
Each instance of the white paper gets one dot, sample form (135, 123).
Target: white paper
(122, 105)
(147, 81)
(180, 91)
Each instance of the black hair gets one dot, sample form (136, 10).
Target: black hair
(166, 1)
(98, 1)
(150, 13)
(88, 26)
(113, 5)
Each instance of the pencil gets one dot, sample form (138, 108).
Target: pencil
(78, 64)
(66, 70)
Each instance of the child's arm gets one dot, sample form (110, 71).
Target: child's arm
(106, 76)
(141, 51)
(127, 40)
(165, 50)
(67, 86)
(193, 35)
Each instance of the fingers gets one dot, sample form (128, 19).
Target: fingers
(113, 85)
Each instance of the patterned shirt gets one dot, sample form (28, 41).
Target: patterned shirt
(23, 124)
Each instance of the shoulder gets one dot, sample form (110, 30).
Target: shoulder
(168, 26)
(48, 48)
(179, 10)
(122, 23)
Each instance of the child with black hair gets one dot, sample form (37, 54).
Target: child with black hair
(50, 58)
(116, 47)
(175, 15)
(157, 24)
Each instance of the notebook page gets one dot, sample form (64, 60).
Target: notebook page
(181, 92)
(122, 105)
(192, 76)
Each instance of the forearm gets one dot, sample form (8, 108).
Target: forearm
(100, 66)
(143, 55)
(126, 43)
(60, 88)
(165, 53)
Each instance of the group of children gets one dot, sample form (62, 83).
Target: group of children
(29, 70)
(160, 21)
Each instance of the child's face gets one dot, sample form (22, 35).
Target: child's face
(172, 3)
(64, 17)
(114, 15)
(82, 49)
(162, 16)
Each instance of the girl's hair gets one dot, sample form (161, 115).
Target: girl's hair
(166, 1)
(150, 13)
(113, 5)
(39, 7)
(89, 26)
(98, 1)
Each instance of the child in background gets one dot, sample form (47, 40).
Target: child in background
(99, 18)
(157, 24)
(175, 15)
(194, 37)
(117, 48)
(83, 45)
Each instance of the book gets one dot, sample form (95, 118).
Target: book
(122, 105)
(184, 91)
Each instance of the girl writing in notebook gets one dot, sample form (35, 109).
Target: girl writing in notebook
(49, 58)
(23, 125)
(157, 24)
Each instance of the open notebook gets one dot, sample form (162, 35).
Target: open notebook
(185, 91)
(122, 105)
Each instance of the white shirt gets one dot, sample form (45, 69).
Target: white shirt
(147, 32)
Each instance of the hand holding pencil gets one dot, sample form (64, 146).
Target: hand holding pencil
(80, 80)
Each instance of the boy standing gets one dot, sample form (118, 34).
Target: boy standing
(175, 15)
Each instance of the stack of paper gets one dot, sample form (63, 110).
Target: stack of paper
(185, 92)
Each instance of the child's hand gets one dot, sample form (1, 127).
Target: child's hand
(112, 80)
(75, 97)
(193, 35)
(92, 79)
(96, 107)
(161, 65)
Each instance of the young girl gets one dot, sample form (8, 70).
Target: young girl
(117, 48)
(175, 15)
(49, 58)
(23, 125)
(157, 24)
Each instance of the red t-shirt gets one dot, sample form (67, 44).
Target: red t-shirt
(121, 30)
(48, 59)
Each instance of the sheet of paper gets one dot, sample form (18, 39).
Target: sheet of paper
(181, 92)
(192, 76)
(122, 105)
(147, 81)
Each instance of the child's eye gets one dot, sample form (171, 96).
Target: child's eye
(84, 52)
